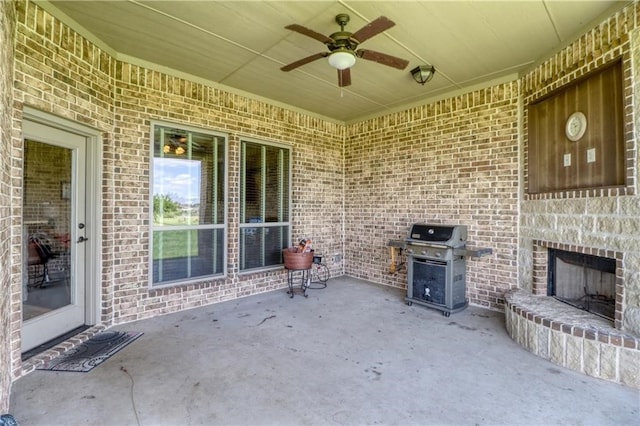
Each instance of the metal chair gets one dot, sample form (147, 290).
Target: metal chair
(38, 260)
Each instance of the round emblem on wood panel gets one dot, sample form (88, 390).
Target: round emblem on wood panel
(576, 126)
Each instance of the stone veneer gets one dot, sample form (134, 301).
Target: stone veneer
(541, 269)
(572, 338)
(600, 221)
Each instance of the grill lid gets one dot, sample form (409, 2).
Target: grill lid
(452, 236)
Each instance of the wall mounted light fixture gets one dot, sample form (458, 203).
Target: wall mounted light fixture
(423, 73)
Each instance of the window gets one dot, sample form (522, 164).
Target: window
(264, 204)
(188, 199)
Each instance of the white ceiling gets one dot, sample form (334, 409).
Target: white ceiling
(241, 45)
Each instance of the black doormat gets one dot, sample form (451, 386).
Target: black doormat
(88, 355)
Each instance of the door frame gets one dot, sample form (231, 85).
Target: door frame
(93, 204)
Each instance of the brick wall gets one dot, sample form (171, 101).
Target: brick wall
(7, 27)
(354, 187)
(454, 161)
(145, 95)
(59, 72)
(606, 219)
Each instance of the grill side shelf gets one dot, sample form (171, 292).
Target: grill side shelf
(466, 252)
(396, 243)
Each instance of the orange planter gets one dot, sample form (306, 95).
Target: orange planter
(296, 260)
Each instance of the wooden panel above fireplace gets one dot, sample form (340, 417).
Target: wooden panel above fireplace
(596, 159)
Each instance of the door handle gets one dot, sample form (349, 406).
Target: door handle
(82, 239)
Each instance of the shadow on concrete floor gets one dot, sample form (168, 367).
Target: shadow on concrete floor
(352, 353)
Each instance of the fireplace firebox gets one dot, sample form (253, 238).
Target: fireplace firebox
(584, 281)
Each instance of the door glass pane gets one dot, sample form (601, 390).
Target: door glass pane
(46, 228)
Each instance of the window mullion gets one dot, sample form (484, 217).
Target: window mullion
(161, 199)
(214, 166)
(263, 183)
(160, 248)
(281, 191)
(161, 207)
(243, 183)
(243, 208)
(263, 201)
(280, 185)
(214, 202)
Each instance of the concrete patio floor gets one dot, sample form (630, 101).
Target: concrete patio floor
(352, 353)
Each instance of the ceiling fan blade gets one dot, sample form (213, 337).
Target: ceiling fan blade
(344, 77)
(374, 27)
(304, 61)
(309, 33)
(382, 58)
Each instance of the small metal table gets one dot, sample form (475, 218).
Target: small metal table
(304, 277)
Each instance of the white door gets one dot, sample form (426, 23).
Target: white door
(54, 233)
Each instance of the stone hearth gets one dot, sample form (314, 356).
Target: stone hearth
(568, 336)
(572, 338)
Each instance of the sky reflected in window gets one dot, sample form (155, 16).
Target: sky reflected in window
(178, 178)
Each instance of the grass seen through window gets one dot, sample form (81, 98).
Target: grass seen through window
(175, 244)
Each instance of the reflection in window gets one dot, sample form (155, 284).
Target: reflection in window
(188, 196)
(264, 210)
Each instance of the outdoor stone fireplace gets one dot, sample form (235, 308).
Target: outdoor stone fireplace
(583, 281)
(590, 341)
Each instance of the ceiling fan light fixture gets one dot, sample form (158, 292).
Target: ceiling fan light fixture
(423, 73)
(342, 59)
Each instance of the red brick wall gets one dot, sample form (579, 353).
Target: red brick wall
(454, 161)
(7, 222)
(354, 187)
(59, 72)
(145, 95)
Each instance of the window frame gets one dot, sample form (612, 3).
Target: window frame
(241, 203)
(225, 220)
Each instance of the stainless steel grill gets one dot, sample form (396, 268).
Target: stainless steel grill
(436, 266)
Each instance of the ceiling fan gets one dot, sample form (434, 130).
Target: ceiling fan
(342, 46)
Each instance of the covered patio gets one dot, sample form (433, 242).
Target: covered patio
(352, 353)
